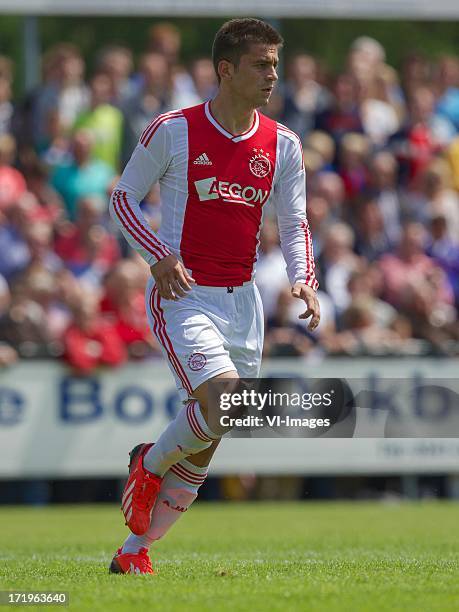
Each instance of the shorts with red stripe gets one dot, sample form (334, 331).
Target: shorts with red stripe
(209, 331)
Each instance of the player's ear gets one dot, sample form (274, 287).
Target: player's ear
(225, 70)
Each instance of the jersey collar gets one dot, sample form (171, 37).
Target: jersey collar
(244, 136)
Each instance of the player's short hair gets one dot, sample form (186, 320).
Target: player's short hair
(234, 38)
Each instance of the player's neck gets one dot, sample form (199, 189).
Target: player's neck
(235, 116)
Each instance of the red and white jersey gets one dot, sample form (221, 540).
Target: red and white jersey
(214, 187)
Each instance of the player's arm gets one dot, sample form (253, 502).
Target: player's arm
(295, 237)
(147, 164)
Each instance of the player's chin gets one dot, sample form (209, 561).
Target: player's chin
(265, 97)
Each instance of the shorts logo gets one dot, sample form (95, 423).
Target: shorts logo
(260, 164)
(197, 361)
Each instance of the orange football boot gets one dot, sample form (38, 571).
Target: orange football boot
(130, 563)
(140, 492)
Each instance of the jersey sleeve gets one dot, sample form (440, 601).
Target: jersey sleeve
(148, 163)
(290, 203)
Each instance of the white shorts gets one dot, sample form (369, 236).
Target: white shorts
(209, 331)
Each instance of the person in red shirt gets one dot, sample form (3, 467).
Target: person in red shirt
(85, 246)
(91, 341)
(425, 135)
(123, 303)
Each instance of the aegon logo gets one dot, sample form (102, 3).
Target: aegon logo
(212, 189)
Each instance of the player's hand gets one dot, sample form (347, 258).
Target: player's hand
(308, 295)
(171, 277)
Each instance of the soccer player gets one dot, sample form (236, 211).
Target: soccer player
(218, 164)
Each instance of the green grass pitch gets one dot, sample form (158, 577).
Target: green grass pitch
(260, 556)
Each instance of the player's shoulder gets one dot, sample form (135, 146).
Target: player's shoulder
(286, 134)
(173, 117)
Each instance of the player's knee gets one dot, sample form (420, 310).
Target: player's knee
(209, 392)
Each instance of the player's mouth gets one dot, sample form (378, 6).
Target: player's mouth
(267, 90)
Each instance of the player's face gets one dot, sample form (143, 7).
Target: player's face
(256, 75)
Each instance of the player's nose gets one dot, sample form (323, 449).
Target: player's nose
(272, 75)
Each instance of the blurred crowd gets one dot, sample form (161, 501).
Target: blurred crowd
(381, 149)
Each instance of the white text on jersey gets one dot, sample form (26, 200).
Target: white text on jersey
(202, 160)
(212, 189)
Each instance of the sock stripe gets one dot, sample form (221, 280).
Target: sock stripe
(208, 435)
(185, 477)
(195, 473)
(192, 420)
(189, 473)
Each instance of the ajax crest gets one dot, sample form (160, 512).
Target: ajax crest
(197, 361)
(260, 164)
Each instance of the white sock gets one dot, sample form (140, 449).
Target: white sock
(187, 435)
(178, 491)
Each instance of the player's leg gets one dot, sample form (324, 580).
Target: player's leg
(189, 433)
(182, 481)
(194, 348)
(180, 485)
(247, 341)
(179, 490)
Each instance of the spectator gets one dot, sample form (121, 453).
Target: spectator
(104, 121)
(204, 79)
(372, 240)
(36, 174)
(91, 341)
(152, 99)
(36, 319)
(116, 62)
(319, 218)
(271, 273)
(324, 146)
(354, 152)
(12, 182)
(416, 286)
(344, 115)
(379, 117)
(164, 38)
(14, 253)
(63, 96)
(416, 71)
(123, 303)
(6, 103)
(363, 285)
(434, 196)
(330, 187)
(284, 338)
(424, 135)
(8, 355)
(385, 192)
(337, 262)
(448, 89)
(444, 250)
(38, 238)
(86, 247)
(363, 335)
(365, 58)
(303, 96)
(83, 175)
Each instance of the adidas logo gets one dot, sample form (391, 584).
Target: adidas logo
(202, 160)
